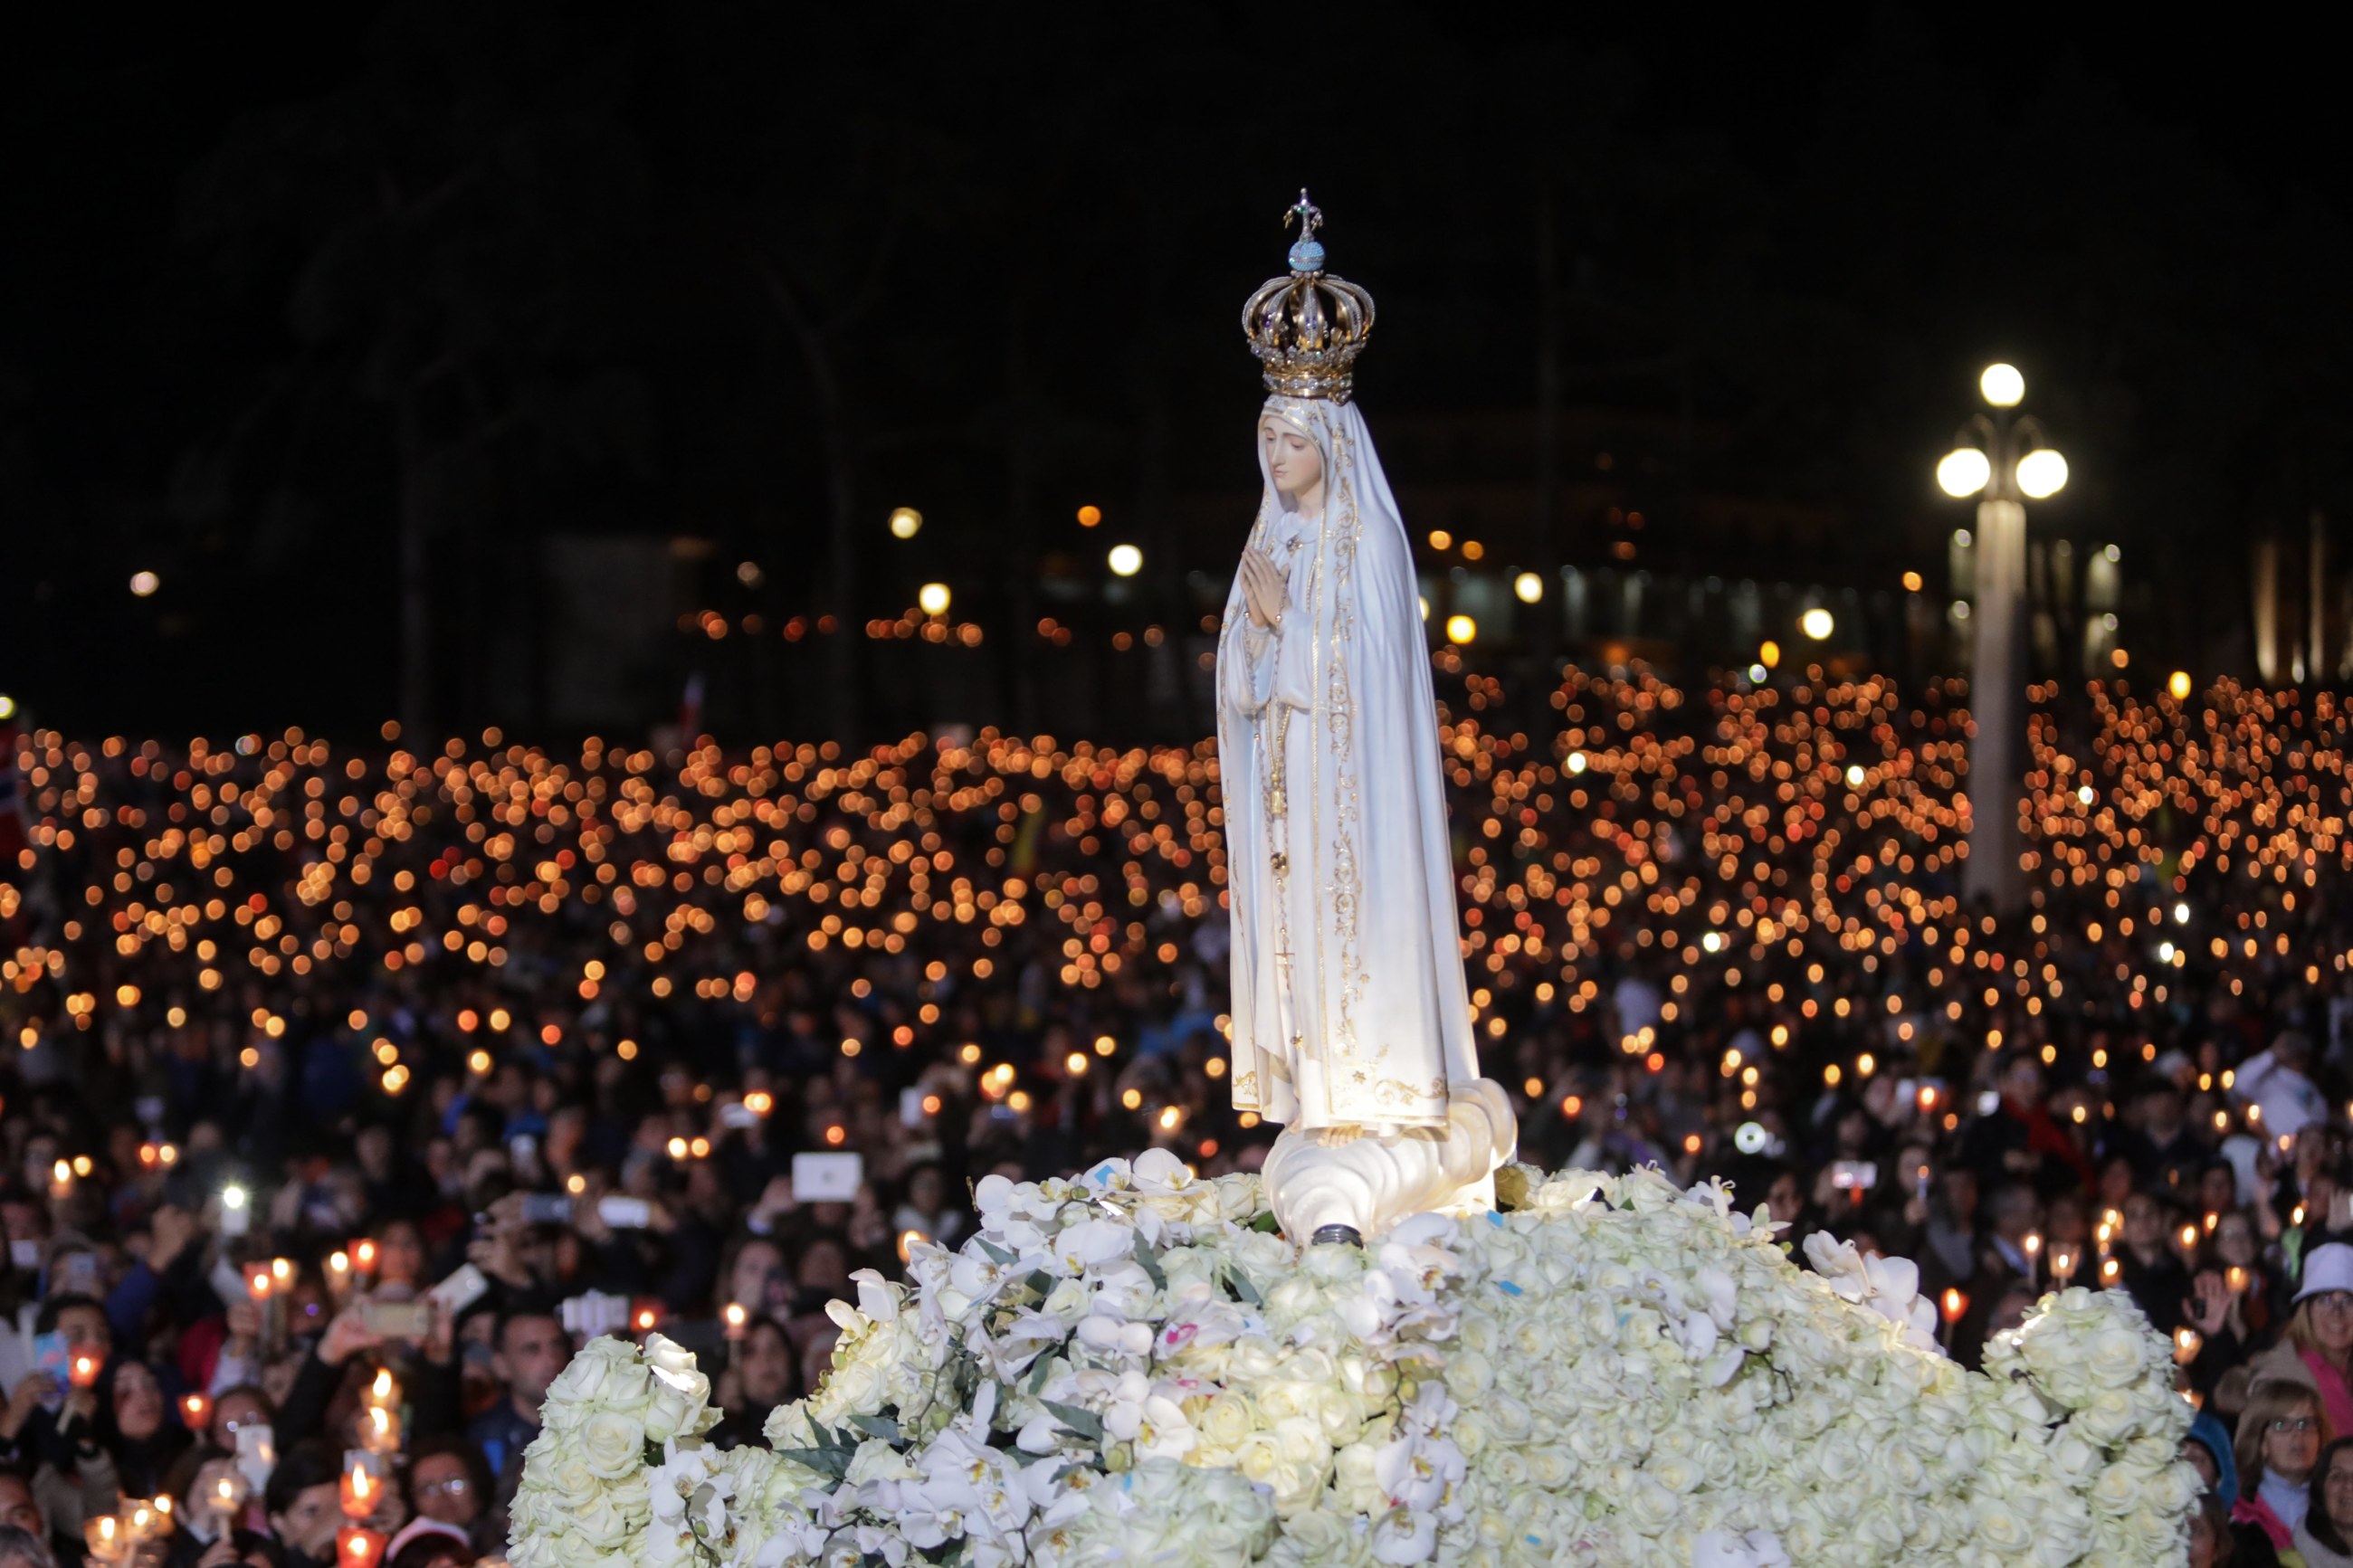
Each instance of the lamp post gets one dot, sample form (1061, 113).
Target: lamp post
(2002, 458)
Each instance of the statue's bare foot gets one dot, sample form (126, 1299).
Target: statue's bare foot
(1337, 1137)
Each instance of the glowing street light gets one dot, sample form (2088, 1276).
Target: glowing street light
(1461, 630)
(1528, 586)
(144, 583)
(1817, 624)
(1963, 472)
(2177, 683)
(932, 598)
(7, 705)
(2042, 474)
(2002, 459)
(1125, 560)
(906, 523)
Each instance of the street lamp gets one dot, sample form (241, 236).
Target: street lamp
(1125, 560)
(2004, 460)
(932, 598)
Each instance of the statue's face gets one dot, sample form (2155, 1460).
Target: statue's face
(1291, 456)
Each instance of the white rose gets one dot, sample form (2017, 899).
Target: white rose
(2117, 1357)
(599, 1522)
(1227, 1420)
(606, 1372)
(674, 1411)
(612, 1445)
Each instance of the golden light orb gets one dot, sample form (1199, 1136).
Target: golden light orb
(1528, 586)
(2001, 385)
(1125, 560)
(1461, 629)
(906, 523)
(932, 598)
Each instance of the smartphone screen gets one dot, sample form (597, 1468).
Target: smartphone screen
(547, 1208)
(828, 1178)
(625, 1214)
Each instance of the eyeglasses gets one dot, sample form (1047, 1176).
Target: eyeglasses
(455, 1486)
(2334, 1301)
(2294, 1424)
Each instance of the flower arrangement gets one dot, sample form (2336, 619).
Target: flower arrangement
(1130, 1367)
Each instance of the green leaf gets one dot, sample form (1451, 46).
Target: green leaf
(1265, 1223)
(1148, 1258)
(653, 1454)
(1085, 1423)
(834, 1462)
(996, 1253)
(1039, 1371)
(881, 1426)
(1242, 1287)
(1040, 1282)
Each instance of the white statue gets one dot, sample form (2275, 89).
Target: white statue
(1350, 1021)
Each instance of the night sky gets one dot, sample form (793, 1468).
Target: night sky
(685, 275)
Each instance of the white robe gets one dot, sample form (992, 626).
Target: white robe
(1349, 1001)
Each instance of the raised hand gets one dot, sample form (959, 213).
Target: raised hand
(2209, 1307)
(1263, 587)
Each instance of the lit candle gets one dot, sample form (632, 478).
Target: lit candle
(736, 1317)
(358, 1547)
(2186, 1344)
(363, 1256)
(380, 1429)
(82, 1371)
(363, 1483)
(104, 1535)
(2063, 1262)
(2236, 1277)
(2033, 1247)
(195, 1411)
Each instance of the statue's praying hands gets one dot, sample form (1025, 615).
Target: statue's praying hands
(1263, 587)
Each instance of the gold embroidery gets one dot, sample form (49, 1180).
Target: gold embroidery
(1341, 713)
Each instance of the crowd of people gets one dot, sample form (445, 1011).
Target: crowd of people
(329, 1062)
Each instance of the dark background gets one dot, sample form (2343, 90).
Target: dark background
(722, 285)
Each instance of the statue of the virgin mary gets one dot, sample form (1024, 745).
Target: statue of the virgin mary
(1350, 1020)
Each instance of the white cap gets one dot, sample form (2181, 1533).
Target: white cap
(2329, 1267)
(421, 1527)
